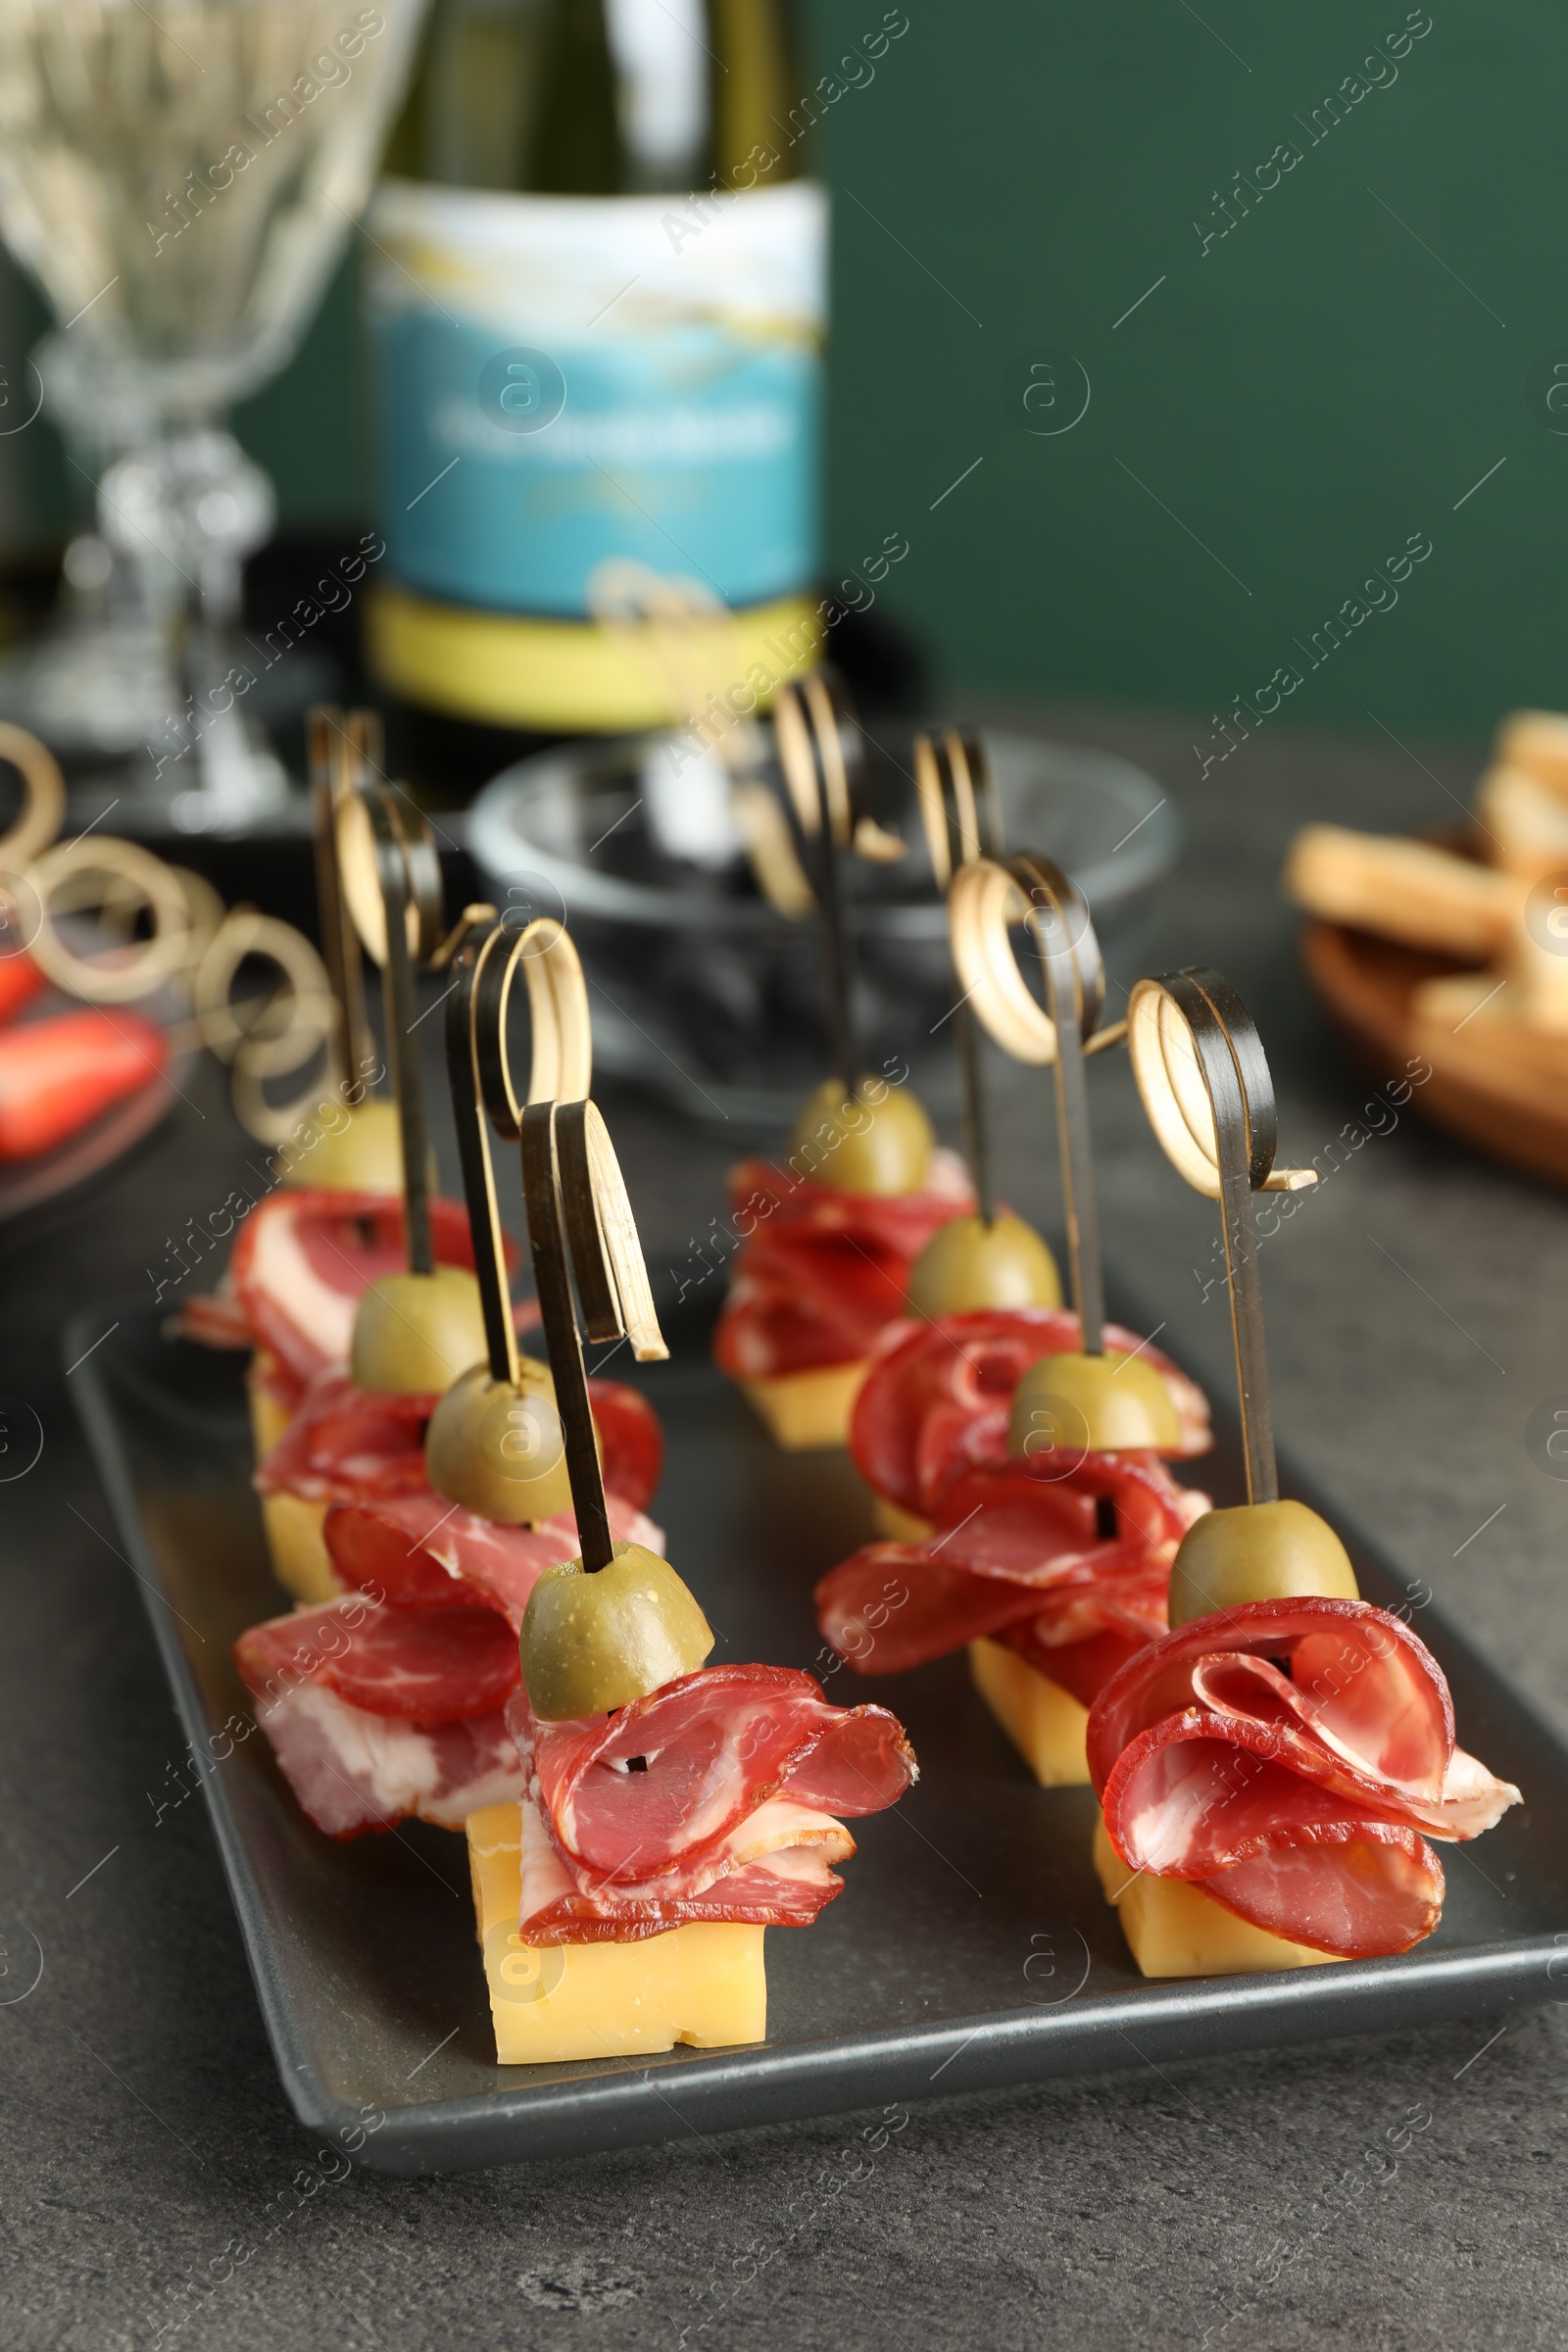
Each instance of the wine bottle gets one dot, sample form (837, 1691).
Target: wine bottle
(596, 298)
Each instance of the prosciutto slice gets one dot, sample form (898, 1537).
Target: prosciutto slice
(714, 1799)
(1018, 1560)
(821, 1271)
(433, 1665)
(423, 1553)
(1292, 1758)
(938, 1396)
(349, 1445)
(304, 1258)
(301, 1263)
(376, 1712)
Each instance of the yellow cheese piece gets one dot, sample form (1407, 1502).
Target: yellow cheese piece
(896, 1524)
(300, 1561)
(268, 1416)
(1175, 1930)
(702, 1984)
(1045, 1723)
(807, 1410)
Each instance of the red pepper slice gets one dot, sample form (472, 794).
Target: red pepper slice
(58, 1075)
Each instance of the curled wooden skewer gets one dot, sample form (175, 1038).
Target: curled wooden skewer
(391, 879)
(1204, 1082)
(810, 749)
(578, 1215)
(986, 896)
(331, 747)
(482, 1086)
(962, 822)
(43, 807)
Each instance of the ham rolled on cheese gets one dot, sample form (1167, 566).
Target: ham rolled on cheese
(1292, 1759)
(820, 1273)
(715, 1798)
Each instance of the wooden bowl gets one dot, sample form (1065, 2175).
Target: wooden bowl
(1494, 1083)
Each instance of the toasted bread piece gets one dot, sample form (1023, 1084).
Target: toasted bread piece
(1536, 741)
(1526, 822)
(1404, 890)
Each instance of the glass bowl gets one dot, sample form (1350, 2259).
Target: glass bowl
(702, 990)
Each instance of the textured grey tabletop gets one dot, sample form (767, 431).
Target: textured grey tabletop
(1389, 2193)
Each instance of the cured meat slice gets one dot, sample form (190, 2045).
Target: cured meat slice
(301, 1263)
(352, 1771)
(343, 1443)
(821, 1272)
(774, 1870)
(937, 1398)
(421, 1551)
(423, 1665)
(1020, 1560)
(304, 1259)
(376, 1712)
(711, 1749)
(715, 1798)
(350, 1445)
(1303, 1801)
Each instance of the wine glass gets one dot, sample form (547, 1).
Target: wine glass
(180, 182)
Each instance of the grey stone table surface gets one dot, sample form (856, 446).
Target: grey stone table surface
(1404, 2191)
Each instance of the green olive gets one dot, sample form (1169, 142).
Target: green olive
(970, 1263)
(879, 1142)
(415, 1333)
(1110, 1404)
(593, 1642)
(497, 1449)
(353, 1151)
(1258, 1551)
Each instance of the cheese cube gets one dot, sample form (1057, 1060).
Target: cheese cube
(808, 1410)
(702, 1984)
(1045, 1723)
(897, 1525)
(300, 1561)
(1176, 1930)
(270, 1416)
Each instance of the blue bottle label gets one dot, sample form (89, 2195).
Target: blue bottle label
(563, 384)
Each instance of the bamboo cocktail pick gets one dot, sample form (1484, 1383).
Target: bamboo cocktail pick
(341, 749)
(495, 1440)
(1204, 1082)
(988, 1260)
(413, 1333)
(1089, 1400)
(962, 822)
(818, 823)
(810, 750)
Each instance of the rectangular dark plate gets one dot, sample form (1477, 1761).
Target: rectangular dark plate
(971, 1945)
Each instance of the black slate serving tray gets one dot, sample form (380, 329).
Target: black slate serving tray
(971, 1947)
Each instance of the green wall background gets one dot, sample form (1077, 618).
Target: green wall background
(1317, 385)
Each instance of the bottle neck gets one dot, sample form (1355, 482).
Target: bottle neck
(602, 97)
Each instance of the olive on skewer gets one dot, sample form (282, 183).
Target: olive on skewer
(1204, 1082)
(617, 1623)
(991, 1258)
